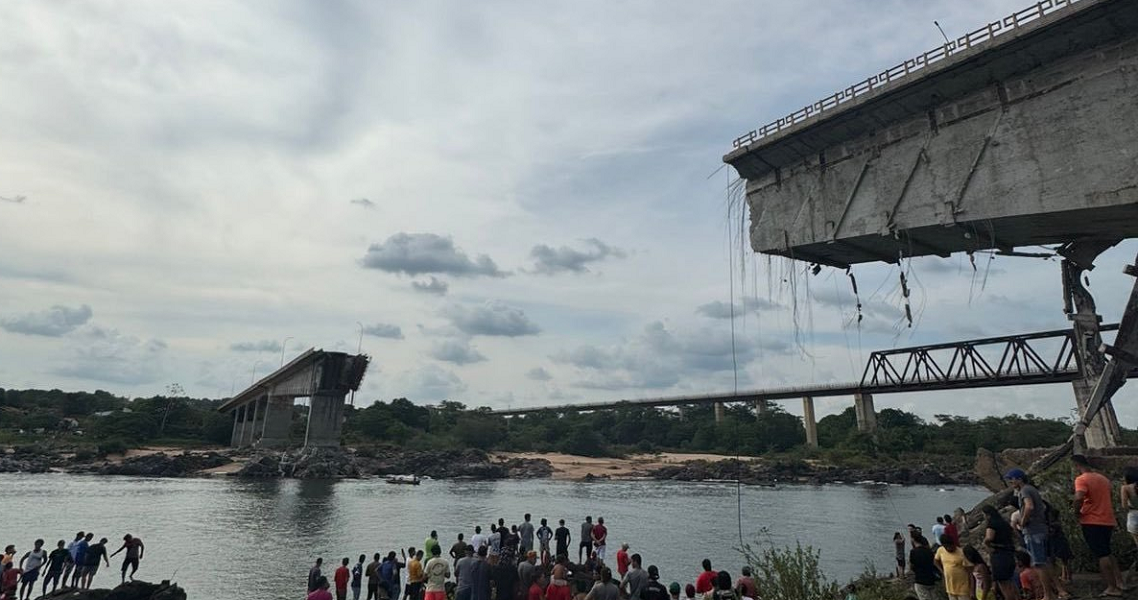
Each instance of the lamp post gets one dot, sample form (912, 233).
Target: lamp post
(360, 346)
(253, 376)
(283, 345)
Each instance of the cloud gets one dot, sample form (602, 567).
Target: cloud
(109, 356)
(261, 346)
(52, 322)
(428, 383)
(423, 253)
(455, 350)
(433, 285)
(491, 318)
(538, 374)
(724, 310)
(364, 202)
(659, 358)
(384, 330)
(14, 199)
(551, 261)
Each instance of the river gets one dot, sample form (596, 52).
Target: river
(217, 537)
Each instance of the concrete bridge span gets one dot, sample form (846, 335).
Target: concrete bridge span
(262, 413)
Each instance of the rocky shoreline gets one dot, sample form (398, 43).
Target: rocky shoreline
(334, 463)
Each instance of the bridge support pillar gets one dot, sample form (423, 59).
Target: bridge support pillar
(1103, 431)
(235, 437)
(866, 417)
(809, 422)
(761, 407)
(718, 413)
(254, 426)
(325, 420)
(277, 422)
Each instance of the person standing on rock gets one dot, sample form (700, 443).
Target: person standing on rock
(950, 530)
(358, 577)
(80, 555)
(415, 576)
(585, 546)
(1033, 523)
(436, 572)
(464, 574)
(480, 577)
(30, 565)
(1000, 540)
(921, 563)
(458, 550)
(91, 561)
(563, 537)
(938, 530)
(544, 534)
(1094, 506)
(600, 538)
(430, 544)
(73, 564)
(373, 577)
(604, 589)
(634, 580)
(341, 578)
(525, 532)
(134, 549)
(478, 540)
(314, 574)
(56, 561)
(705, 582)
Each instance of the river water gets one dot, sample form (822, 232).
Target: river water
(225, 538)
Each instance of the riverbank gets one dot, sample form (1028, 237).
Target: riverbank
(378, 461)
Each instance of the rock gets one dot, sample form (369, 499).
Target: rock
(268, 465)
(305, 463)
(29, 464)
(132, 590)
(164, 465)
(527, 468)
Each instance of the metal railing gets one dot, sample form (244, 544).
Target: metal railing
(914, 65)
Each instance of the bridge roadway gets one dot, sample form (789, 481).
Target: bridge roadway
(970, 364)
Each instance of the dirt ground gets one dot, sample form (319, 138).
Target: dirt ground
(569, 467)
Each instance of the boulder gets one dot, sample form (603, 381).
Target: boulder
(131, 590)
(163, 465)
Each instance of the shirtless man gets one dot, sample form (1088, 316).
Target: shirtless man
(134, 550)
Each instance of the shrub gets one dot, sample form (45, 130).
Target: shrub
(789, 573)
(112, 446)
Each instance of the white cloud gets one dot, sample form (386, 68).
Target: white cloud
(52, 322)
(384, 330)
(422, 253)
(551, 261)
(455, 350)
(491, 318)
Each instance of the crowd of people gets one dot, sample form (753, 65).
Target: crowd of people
(518, 562)
(70, 565)
(1025, 556)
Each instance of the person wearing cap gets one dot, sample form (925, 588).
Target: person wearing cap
(1033, 524)
(1094, 506)
(674, 590)
(633, 582)
(622, 560)
(654, 590)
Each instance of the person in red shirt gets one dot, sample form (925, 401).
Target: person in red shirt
(558, 588)
(343, 574)
(537, 588)
(950, 530)
(706, 580)
(600, 536)
(9, 580)
(622, 560)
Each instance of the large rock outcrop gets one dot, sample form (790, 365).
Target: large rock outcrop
(132, 590)
(161, 464)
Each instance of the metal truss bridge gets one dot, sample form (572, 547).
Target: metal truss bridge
(1027, 359)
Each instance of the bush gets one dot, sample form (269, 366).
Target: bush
(112, 446)
(789, 573)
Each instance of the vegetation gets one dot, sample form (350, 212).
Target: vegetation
(789, 573)
(175, 418)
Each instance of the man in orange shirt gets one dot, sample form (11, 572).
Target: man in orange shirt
(1096, 517)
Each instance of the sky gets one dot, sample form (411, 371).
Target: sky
(503, 204)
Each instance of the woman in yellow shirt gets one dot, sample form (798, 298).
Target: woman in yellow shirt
(956, 568)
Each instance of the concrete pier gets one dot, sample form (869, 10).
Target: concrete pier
(866, 417)
(325, 420)
(277, 423)
(718, 413)
(809, 422)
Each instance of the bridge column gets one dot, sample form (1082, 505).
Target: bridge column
(718, 413)
(244, 425)
(809, 423)
(761, 407)
(234, 438)
(866, 417)
(325, 420)
(251, 434)
(277, 422)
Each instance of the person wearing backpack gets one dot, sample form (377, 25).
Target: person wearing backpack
(1033, 520)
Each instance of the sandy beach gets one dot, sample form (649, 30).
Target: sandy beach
(568, 466)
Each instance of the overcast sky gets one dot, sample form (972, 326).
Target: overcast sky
(516, 203)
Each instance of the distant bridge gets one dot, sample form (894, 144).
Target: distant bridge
(1027, 359)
